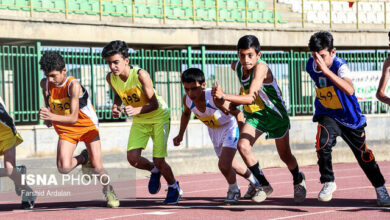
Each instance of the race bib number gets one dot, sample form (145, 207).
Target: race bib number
(328, 98)
(210, 121)
(60, 106)
(134, 97)
(257, 106)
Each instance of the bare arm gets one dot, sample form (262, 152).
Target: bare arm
(260, 73)
(344, 84)
(230, 108)
(116, 107)
(380, 93)
(185, 118)
(74, 93)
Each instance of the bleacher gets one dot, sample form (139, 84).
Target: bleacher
(318, 11)
(198, 10)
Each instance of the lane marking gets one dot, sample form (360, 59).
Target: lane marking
(144, 213)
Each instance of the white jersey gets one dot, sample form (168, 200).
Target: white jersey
(223, 128)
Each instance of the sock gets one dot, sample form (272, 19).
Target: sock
(296, 175)
(174, 185)
(154, 170)
(255, 169)
(252, 179)
(234, 187)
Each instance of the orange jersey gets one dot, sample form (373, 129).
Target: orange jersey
(59, 103)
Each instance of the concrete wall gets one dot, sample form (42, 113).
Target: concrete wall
(42, 141)
(21, 30)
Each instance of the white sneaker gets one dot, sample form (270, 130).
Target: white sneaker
(326, 192)
(261, 193)
(232, 197)
(250, 192)
(383, 198)
(300, 191)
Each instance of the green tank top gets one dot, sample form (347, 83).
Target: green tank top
(268, 100)
(132, 93)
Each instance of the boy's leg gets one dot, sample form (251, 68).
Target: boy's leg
(284, 151)
(65, 160)
(225, 166)
(248, 136)
(136, 160)
(327, 132)
(28, 196)
(356, 140)
(95, 157)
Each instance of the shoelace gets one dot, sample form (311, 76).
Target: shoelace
(231, 195)
(383, 193)
(327, 188)
(299, 188)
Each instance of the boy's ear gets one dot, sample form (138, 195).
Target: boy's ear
(203, 85)
(259, 54)
(127, 60)
(63, 70)
(333, 52)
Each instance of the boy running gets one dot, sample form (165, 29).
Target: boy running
(223, 128)
(338, 114)
(9, 139)
(265, 112)
(151, 118)
(71, 113)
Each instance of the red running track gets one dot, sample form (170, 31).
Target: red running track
(204, 195)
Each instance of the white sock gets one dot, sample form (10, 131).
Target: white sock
(154, 170)
(252, 179)
(234, 187)
(174, 185)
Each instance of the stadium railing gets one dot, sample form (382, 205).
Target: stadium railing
(20, 76)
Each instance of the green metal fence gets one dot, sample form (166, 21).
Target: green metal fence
(20, 76)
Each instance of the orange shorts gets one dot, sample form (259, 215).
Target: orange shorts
(80, 135)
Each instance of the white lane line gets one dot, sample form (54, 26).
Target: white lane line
(144, 213)
(308, 214)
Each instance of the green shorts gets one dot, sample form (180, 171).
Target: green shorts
(140, 133)
(273, 125)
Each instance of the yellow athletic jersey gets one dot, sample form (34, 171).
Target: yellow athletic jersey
(132, 93)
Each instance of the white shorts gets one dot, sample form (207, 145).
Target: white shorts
(224, 136)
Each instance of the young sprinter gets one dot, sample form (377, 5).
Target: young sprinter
(9, 139)
(223, 128)
(71, 113)
(338, 114)
(380, 94)
(151, 118)
(265, 112)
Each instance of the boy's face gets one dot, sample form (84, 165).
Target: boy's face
(194, 90)
(327, 56)
(248, 57)
(56, 77)
(117, 64)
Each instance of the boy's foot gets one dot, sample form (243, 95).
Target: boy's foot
(250, 192)
(232, 197)
(22, 170)
(28, 198)
(262, 192)
(300, 190)
(154, 183)
(326, 192)
(112, 199)
(173, 195)
(86, 166)
(383, 198)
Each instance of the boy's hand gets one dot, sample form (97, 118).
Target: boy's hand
(130, 111)
(217, 91)
(319, 61)
(45, 114)
(116, 111)
(177, 140)
(47, 123)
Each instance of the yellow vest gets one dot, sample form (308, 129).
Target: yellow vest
(132, 93)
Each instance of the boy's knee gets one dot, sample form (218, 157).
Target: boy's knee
(159, 163)
(133, 160)
(64, 170)
(286, 157)
(244, 147)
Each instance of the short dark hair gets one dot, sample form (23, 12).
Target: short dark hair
(321, 40)
(193, 75)
(116, 47)
(249, 41)
(51, 61)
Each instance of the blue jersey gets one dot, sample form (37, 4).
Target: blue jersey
(332, 101)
